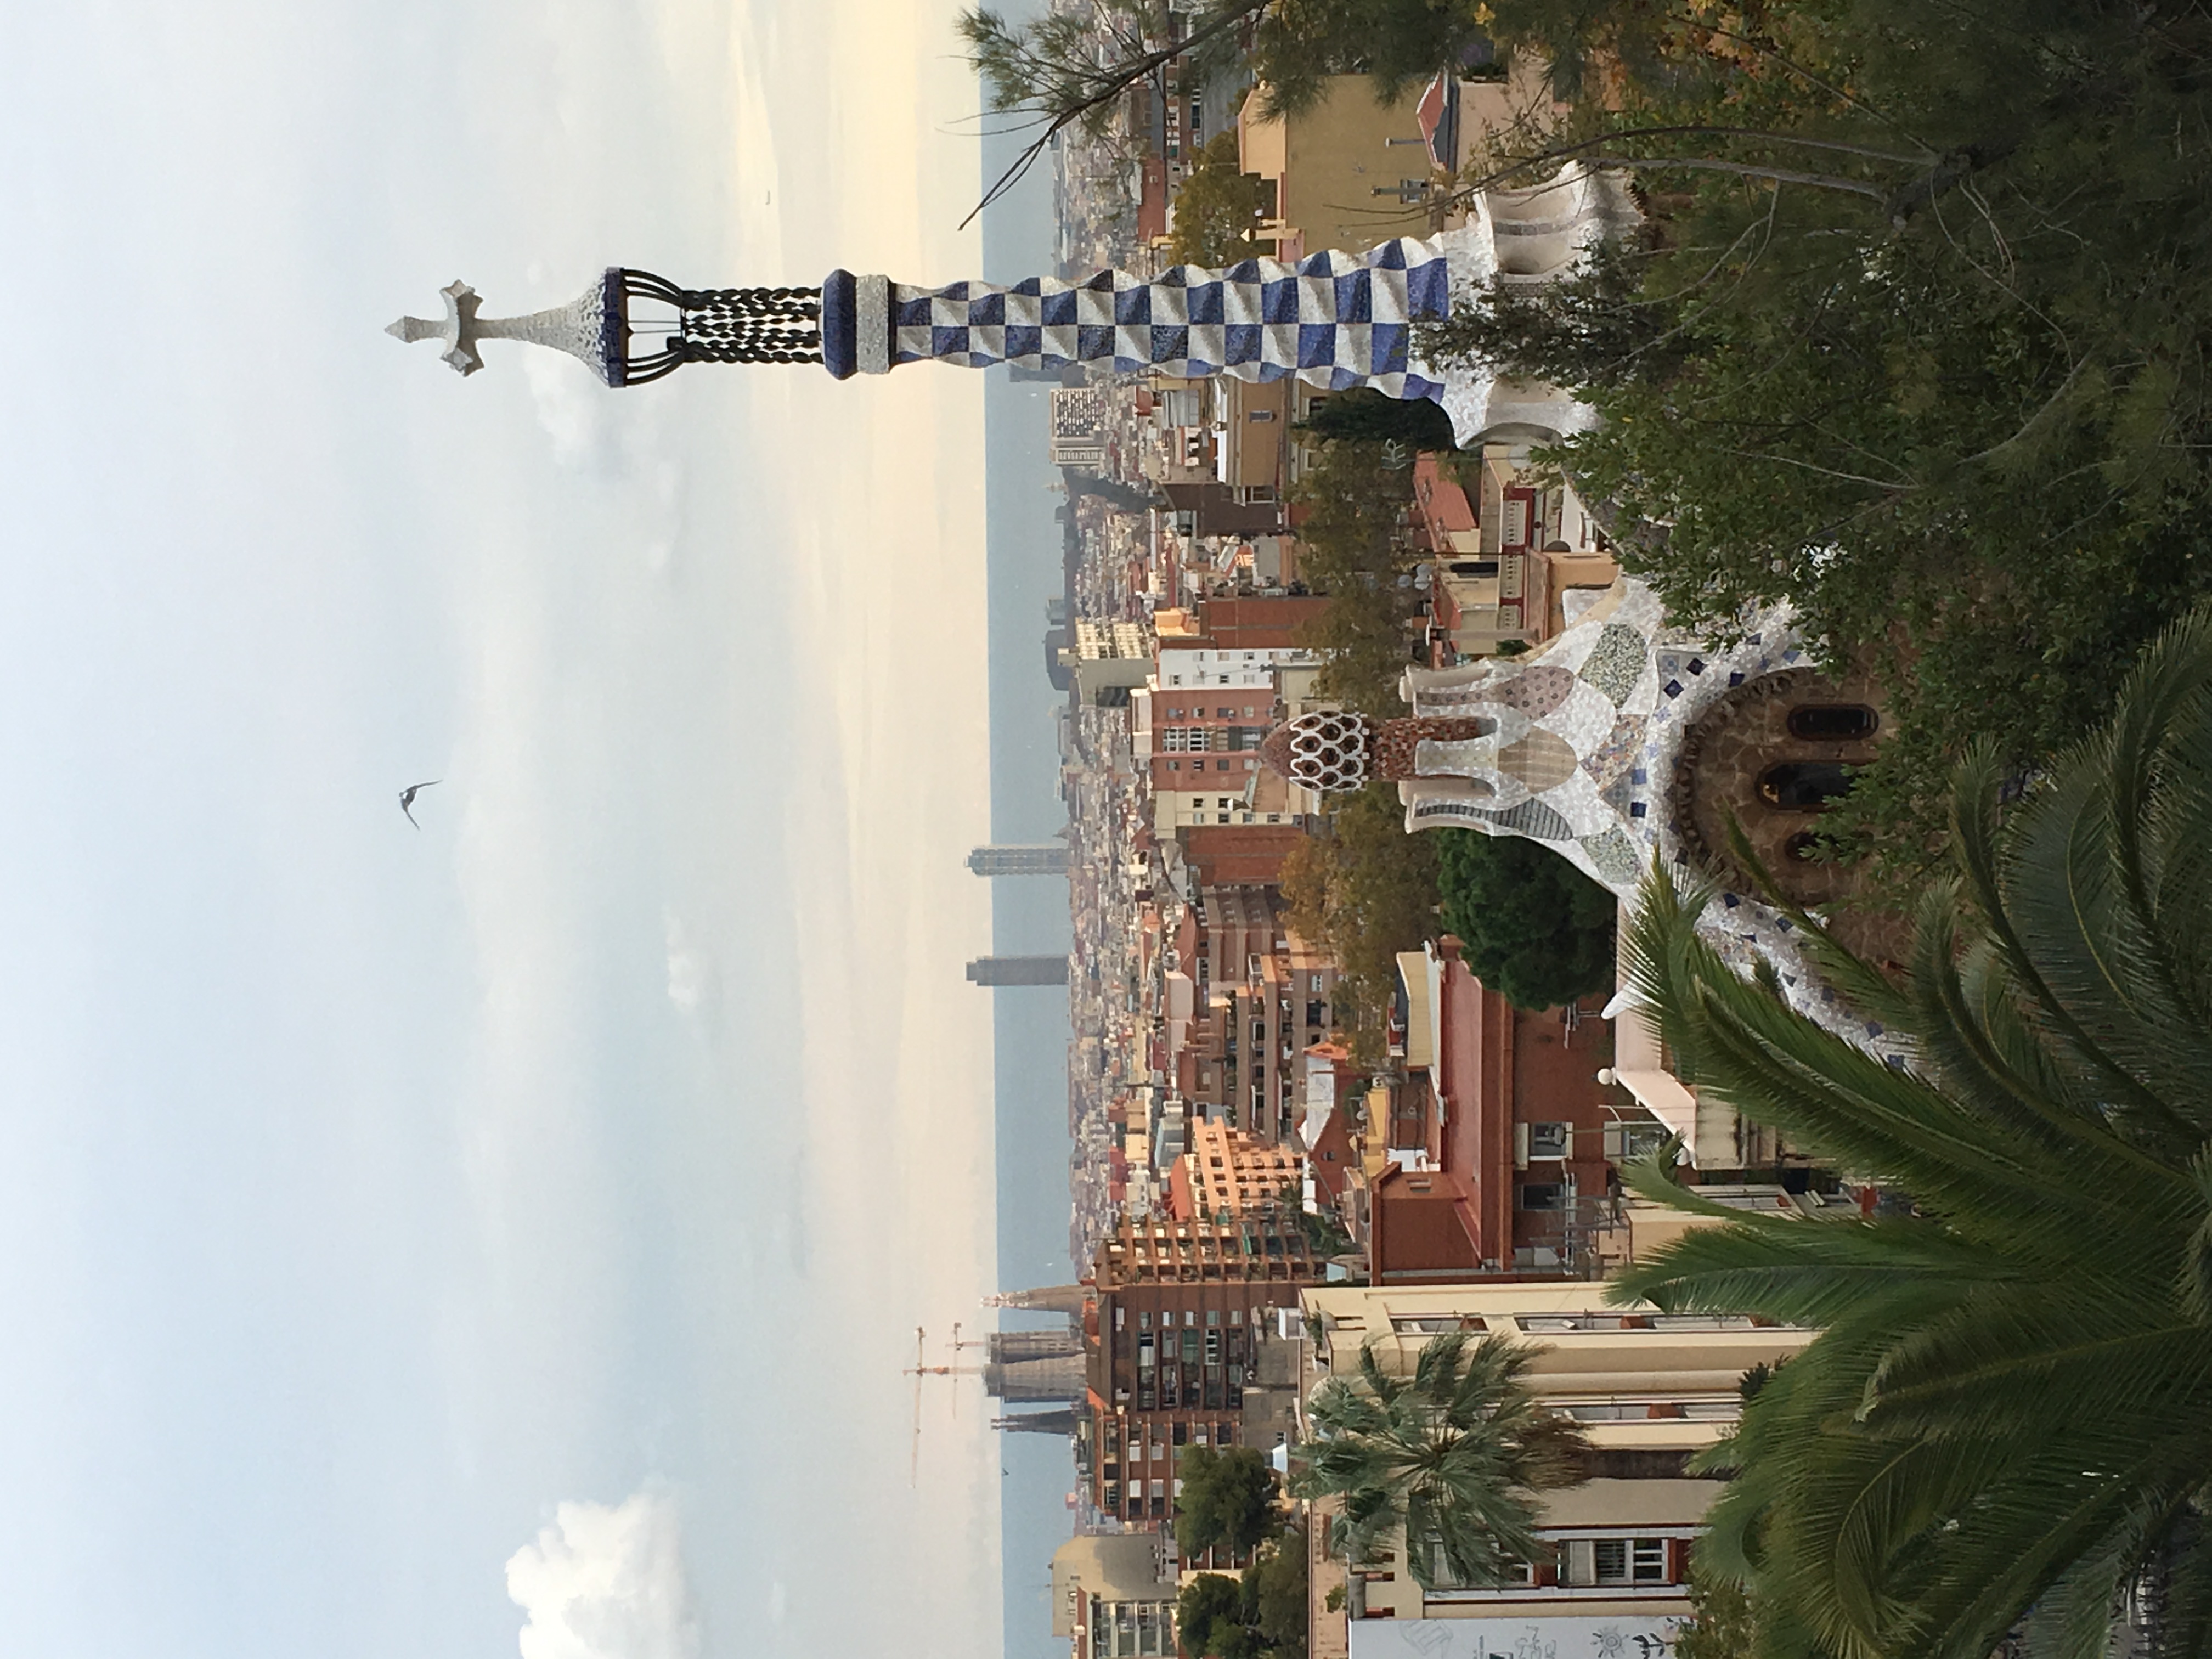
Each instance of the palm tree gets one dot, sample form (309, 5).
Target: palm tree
(1453, 1456)
(2004, 1434)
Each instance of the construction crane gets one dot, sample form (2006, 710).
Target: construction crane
(922, 1367)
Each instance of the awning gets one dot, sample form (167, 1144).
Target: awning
(1438, 114)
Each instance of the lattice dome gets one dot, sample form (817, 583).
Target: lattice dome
(1327, 752)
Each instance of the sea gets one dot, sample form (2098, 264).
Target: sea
(1028, 915)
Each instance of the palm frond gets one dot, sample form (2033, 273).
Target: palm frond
(2006, 1422)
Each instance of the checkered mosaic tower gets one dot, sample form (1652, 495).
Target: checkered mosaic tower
(1335, 321)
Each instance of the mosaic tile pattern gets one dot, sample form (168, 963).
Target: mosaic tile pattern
(1538, 692)
(1614, 857)
(1531, 818)
(1332, 320)
(1633, 686)
(1616, 661)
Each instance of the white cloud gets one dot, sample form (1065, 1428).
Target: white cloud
(690, 970)
(605, 1583)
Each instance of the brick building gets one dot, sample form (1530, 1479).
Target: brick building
(1502, 1147)
(1185, 1316)
(1258, 623)
(1259, 999)
(1231, 854)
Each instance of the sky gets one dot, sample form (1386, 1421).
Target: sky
(505, 1234)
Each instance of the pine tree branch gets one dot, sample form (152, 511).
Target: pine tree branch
(1108, 87)
(1744, 170)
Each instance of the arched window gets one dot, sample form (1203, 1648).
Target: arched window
(1833, 722)
(1803, 785)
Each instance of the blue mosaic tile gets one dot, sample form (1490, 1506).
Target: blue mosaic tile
(1674, 688)
(1638, 775)
(1635, 809)
(1873, 1028)
(1730, 900)
(1735, 679)
(1696, 665)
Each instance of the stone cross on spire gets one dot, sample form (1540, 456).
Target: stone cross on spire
(579, 328)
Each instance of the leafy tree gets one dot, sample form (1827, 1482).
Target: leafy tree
(1353, 503)
(1536, 930)
(2003, 1425)
(1210, 1618)
(1364, 889)
(1275, 1594)
(1263, 1614)
(1916, 339)
(1228, 1499)
(1118, 496)
(1398, 44)
(1722, 1624)
(1217, 206)
(1364, 415)
(1452, 1457)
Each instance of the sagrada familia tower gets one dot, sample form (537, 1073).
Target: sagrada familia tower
(1585, 745)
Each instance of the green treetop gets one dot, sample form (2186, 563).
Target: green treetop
(1536, 929)
(1261, 1615)
(1217, 207)
(1227, 1501)
(1918, 336)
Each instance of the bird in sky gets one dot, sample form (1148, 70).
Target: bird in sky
(407, 797)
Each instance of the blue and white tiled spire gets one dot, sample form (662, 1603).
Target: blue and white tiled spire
(1333, 319)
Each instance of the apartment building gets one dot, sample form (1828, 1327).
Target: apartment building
(1186, 1315)
(1649, 1390)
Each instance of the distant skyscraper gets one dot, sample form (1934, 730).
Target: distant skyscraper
(1059, 1421)
(1067, 1300)
(1042, 858)
(1079, 428)
(1018, 970)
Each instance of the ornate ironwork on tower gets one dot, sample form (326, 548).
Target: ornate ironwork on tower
(602, 329)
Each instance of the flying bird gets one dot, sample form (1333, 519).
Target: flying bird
(407, 797)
